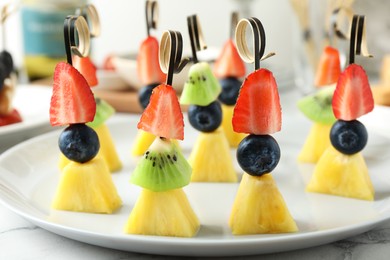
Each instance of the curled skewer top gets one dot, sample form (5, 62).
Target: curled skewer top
(196, 36)
(233, 24)
(171, 49)
(76, 25)
(91, 15)
(151, 14)
(358, 42)
(259, 41)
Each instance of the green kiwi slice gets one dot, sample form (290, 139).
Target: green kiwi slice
(201, 87)
(162, 168)
(103, 112)
(318, 106)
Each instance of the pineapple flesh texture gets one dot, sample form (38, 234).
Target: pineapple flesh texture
(107, 148)
(342, 175)
(259, 208)
(233, 138)
(316, 143)
(166, 213)
(211, 160)
(87, 187)
(142, 142)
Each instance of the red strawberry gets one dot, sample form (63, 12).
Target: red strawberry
(149, 71)
(163, 116)
(72, 100)
(352, 97)
(328, 70)
(229, 63)
(86, 68)
(258, 109)
(11, 118)
(108, 63)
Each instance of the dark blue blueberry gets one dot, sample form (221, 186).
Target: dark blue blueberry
(7, 61)
(205, 118)
(348, 137)
(3, 75)
(230, 89)
(258, 154)
(79, 143)
(144, 94)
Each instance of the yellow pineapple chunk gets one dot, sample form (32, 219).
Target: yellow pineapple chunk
(233, 138)
(211, 160)
(259, 208)
(142, 142)
(316, 143)
(166, 213)
(342, 175)
(87, 187)
(107, 148)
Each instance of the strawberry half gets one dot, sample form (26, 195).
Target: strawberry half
(258, 109)
(86, 68)
(229, 62)
(328, 70)
(352, 97)
(148, 65)
(11, 118)
(163, 116)
(72, 100)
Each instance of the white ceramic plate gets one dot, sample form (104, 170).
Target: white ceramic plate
(378, 120)
(29, 176)
(33, 104)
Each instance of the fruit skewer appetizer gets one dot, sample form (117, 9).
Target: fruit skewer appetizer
(258, 207)
(149, 73)
(8, 114)
(162, 208)
(210, 158)
(229, 68)
(342, 170)
(318, 107)
(85, 184)
(103, 110)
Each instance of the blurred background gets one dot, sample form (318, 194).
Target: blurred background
(123, 28)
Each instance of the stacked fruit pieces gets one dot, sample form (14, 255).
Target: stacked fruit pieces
(86, 184)
(229, 68)
(381, 92)
(210, 158)
(103, 111)
(342, 170)
(150, 74)
(318, 107)
(259, 207)
(8, 114)
(162, 208)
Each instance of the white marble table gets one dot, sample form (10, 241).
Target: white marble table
(20, 239)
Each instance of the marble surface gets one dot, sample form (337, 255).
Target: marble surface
(20, 239)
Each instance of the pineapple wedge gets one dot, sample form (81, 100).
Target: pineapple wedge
(166, 213)
(142, 142)
(233, 138)
(211, 160)
(316, 143)
(259, 208)
(342, 175)
(107, 148)
(87, 187)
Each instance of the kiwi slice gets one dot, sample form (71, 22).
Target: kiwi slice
(201, 87)
(103, 112)
(318, 106)
(162, 168)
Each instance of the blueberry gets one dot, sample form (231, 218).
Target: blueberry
(205, 118)
(79, 143)
(3, 75)
(348, 137)
(144, 94)
(230, 89)
(258, 154)
(7, 61)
